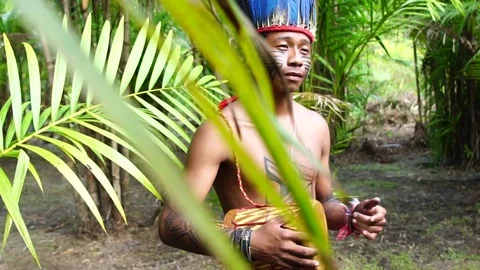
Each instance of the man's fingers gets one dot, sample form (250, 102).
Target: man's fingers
(368, 228)
(381, 221)
(376, 214)
(361, 218)
(369, 204)
(296, 262)
(298, 250)
(369, 235)
(294, 236)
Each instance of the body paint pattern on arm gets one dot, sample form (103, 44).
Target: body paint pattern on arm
(179, 227)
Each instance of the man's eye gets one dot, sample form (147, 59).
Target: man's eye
(282, 46)
(305, 51)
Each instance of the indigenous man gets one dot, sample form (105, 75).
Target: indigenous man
(288, 27)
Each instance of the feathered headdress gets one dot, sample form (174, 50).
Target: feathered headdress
(282, 15)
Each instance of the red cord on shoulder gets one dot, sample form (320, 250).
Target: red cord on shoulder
(225, 102)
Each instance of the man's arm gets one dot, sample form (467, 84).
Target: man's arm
(368, 217)
(335, 212)
(205, 154)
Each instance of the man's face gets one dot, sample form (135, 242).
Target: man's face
(291, 51)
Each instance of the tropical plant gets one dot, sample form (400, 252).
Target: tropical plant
(134, 122)
(240, 65)
(450, 82)
(345, 30)
(164, 104)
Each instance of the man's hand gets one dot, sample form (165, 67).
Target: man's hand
(369, 218)
(274, 244)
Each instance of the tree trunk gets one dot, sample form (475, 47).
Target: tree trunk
(85, 4)
(95, 190)
(120, 177)
(66, 11)
(49, 62)
(106, 10)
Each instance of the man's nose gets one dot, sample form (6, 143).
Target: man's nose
(294, 58)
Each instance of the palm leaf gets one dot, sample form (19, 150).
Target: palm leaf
(77, 82)
(148, 58)
(59, 76)
(92, 166)
(183, 70)
(115, 53)
(31, 168)
(70, 176)
(171, 66)
(134, 57)
(174, 111)
(12, 127)
(168, 151)
(193, 75)
(3, 115)
(100, 55)
(26, 123)
(18, 180)
(35, 84)
(15, 91)
(111, 154)
(164, 118)
(131, 123)
(162, 129)
(161, 60)
(107, 134)
(192, 110)
(6, 191)
(57, 117)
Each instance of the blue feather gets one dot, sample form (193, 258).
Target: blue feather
(259, 10)
(309, 10)
(293, 12)
(297, 12)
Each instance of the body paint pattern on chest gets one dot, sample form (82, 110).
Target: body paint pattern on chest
(308, 174)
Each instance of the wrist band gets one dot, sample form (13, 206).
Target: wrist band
(245, 244)
(240, 239)
(348, 229)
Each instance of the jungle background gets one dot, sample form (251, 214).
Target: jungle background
(399, 90)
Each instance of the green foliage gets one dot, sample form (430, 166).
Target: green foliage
(353, 43)
(450, 81)
(67, 112)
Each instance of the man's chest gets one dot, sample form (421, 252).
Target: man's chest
(302, 160)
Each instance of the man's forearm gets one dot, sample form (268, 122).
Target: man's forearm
(176, 231)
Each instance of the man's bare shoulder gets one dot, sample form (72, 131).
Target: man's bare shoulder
(316, 120)
(234, 111)
(207, 138)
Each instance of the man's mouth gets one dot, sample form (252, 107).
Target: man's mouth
(294, 76)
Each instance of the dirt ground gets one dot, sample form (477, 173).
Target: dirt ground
(433, 220)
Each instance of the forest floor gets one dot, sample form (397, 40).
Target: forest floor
(433, 218)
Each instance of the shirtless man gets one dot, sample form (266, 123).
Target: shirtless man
(210, 163)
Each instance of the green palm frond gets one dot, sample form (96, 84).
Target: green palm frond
(348, 26)
(167, 107)
(326, 105)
